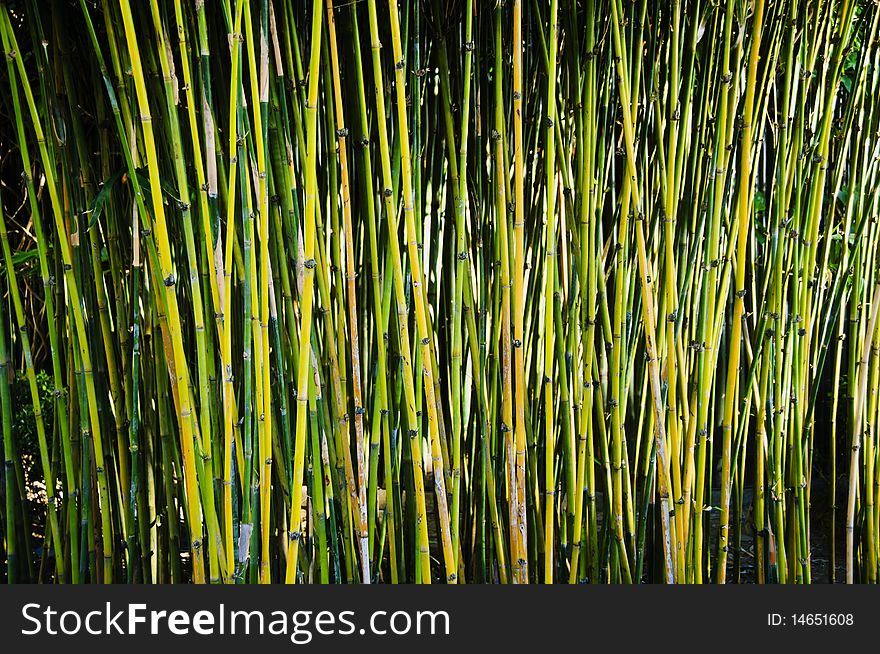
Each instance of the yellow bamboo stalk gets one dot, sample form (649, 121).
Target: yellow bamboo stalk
(351, 291)
(518, 536)
(169, 276)
(305, 334)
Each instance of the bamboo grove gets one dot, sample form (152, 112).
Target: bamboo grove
(455, 291)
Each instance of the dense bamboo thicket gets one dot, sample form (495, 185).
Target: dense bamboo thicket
(444, 290)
